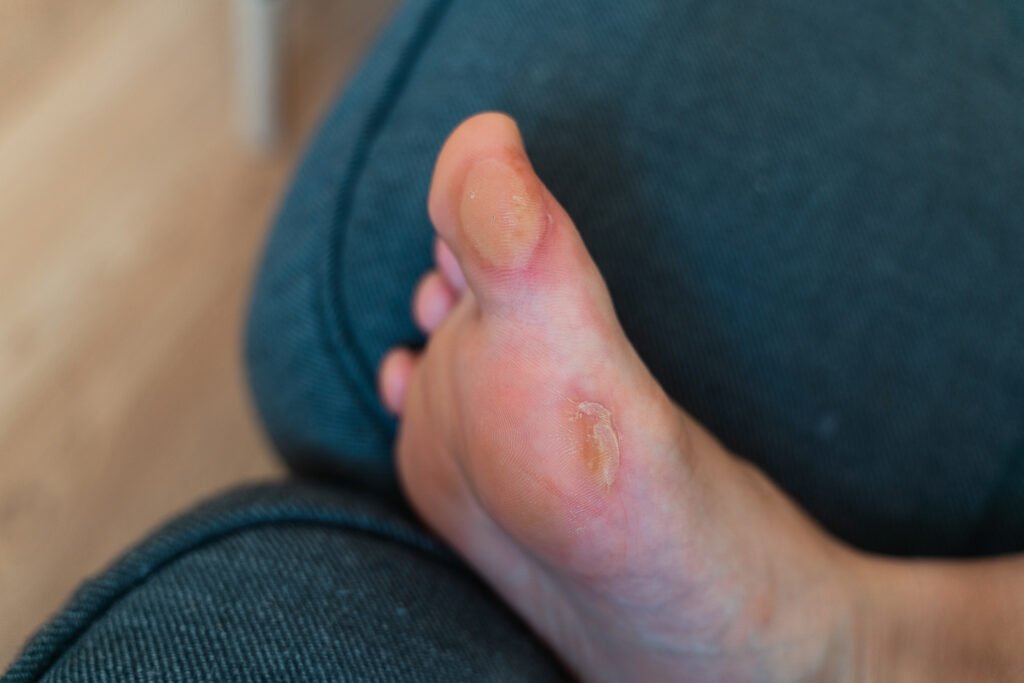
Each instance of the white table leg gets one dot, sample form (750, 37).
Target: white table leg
(258, 26)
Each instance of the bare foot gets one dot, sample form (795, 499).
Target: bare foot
(537, 443)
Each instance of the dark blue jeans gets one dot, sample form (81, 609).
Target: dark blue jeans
(811, 219)
(286, 582)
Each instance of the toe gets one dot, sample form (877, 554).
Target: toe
(485, 199)
(449, 266)
(507, 233)
(433, 301)
(393, 378)
(487, 204)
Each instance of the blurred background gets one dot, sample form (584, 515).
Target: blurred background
(132, 212)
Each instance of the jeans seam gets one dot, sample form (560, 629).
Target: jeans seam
(334, 320)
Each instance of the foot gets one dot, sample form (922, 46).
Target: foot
(535, 441)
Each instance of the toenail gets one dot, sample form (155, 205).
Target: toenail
(502, 212)
(600, 445)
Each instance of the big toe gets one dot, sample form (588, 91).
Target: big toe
(511, 237)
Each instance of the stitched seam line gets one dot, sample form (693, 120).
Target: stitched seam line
(335, 320)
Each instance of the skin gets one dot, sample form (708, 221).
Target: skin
(535, 441)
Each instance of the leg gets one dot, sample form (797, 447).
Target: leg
(285, 583)
(771, 197)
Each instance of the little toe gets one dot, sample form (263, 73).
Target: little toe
(449, 266)
(432, 302)
(393, 378)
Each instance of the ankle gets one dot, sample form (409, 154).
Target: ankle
(819, 587)
(836, 637)
(930, 620)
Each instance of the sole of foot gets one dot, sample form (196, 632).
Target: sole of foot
(534, 439)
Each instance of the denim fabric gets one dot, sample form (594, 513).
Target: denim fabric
(286, 583)
(810, 216)
(315, 396)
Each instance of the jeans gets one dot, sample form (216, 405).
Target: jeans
(286, 582)
(811, 220)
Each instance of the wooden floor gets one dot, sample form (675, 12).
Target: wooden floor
(130, 220)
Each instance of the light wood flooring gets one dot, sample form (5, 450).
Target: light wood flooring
(130, 219)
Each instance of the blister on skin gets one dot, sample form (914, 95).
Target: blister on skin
(502, 213)
(600, 444)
